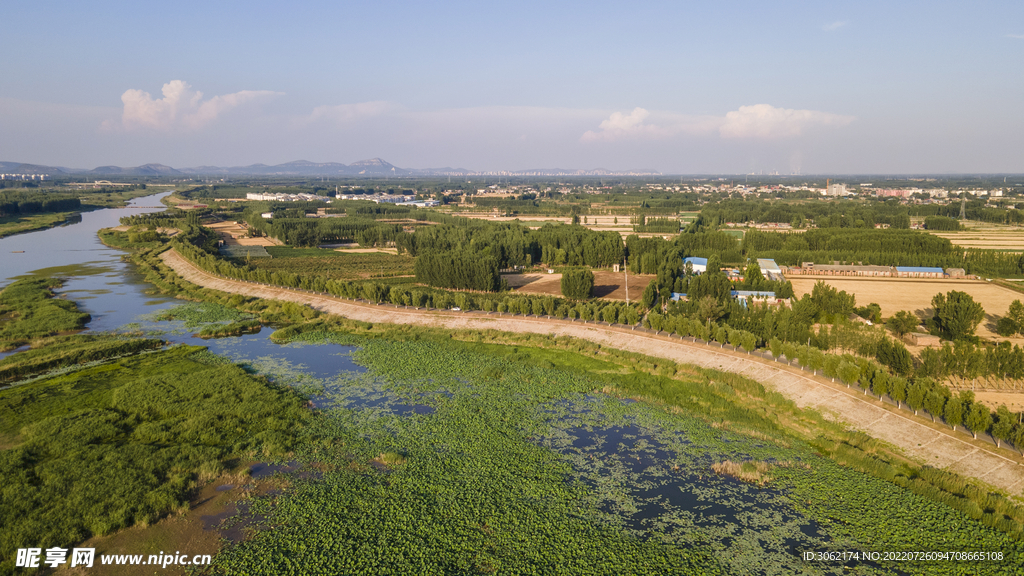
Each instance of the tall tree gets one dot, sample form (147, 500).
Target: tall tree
(957, 314)
(953, 413)
(577, 284)
(902, 323)
(978, 418)
(1004, 425)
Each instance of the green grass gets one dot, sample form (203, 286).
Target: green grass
(492, 480)
(123, 240)
(335, 265)
(29, 310)
(26, 223)
(67, 351)
(197, 314)
(124, 443)
(292, 252)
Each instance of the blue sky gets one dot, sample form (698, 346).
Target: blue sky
(723, 87)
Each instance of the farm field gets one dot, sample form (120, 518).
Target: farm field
(233, 234)
(915, 295)
(610, 285)
(336, 264)
(1013, 400)
(987, 236)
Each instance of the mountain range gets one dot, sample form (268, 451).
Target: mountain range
(371, 167)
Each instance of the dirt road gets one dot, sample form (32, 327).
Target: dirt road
(927, 443)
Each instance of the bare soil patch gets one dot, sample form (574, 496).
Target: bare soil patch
(608, 285)
(235, 234)
(1013, 400)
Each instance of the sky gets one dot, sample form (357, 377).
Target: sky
(724, 87)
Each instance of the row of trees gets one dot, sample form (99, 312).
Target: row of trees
(825, 214)
(891, 373)
(922, 393)
(600, 310)
(459, 269)
(13, 203)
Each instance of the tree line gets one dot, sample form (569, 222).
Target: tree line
(15, 202)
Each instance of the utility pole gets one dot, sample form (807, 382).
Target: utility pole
(625, 272)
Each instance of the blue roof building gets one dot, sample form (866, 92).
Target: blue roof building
(700, 265)
(919, 272)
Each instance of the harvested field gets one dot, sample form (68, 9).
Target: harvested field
(987, 236)
(234, 234)
(1012, 400)
(610, 285)
(915, 295)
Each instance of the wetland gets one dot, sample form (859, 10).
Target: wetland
(342, 450)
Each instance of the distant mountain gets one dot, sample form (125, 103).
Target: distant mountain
(303, 168)
(22, 168)
(144, 170)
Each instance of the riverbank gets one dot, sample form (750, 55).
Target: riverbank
(20, 224)
(925, 442)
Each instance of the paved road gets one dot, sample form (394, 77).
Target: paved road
(927, 443)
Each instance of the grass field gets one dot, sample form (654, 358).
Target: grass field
(17, 224)
(337, 265)
(915, 295)
(29, 310)
(123, 443)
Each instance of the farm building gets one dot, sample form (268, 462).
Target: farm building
(919, 272)
(810, 268)
(770, 269)
(700, 265)
(746, 296)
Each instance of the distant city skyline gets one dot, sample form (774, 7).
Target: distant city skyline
(743, 87)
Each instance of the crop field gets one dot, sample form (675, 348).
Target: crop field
(1012, 400)
(457, 458)
(337, 265)
(987, 236)
(610, 285)
(915, 295)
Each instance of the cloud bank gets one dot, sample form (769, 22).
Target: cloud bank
(181, 107)
(760, 121)
(766, 121)
(349, 112)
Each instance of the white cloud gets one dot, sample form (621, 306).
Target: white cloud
(181, 107)
(349, 112)
(621, 126)
(1017, 36)
(834, 25)
(766, 121)
(757, 121)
